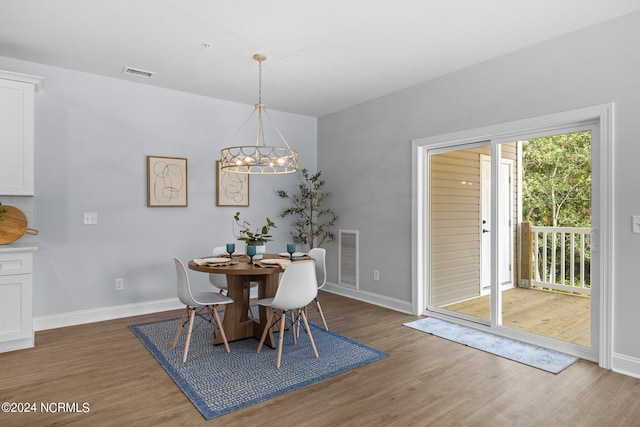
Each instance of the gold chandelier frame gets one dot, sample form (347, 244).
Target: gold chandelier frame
(259, 159)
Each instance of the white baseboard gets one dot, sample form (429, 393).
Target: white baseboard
(108, 313)
(104, 313)
(625, 365)
(116, 312)
(368, 297)
(17, 344)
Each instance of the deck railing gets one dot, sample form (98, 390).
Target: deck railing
(561, 258)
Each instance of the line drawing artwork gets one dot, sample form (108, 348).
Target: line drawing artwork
(234, 185)
(232, 188)
(166, 181)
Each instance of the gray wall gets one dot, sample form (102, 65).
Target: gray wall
(92, 137)
(365, 151)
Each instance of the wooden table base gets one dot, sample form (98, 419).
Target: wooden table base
(237, 323)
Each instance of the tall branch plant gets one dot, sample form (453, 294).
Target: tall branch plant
(313, 225)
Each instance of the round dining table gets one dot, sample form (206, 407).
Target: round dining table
(237, 323)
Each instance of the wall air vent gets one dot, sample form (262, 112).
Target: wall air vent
(138, 73)
(348, 258)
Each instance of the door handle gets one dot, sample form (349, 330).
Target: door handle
(484, 230)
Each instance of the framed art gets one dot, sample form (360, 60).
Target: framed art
(232, 189)
(166, 182)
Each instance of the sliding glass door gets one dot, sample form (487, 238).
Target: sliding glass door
(509, 226)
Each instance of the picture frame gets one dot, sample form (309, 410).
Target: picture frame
(232, 189)
(167, 183)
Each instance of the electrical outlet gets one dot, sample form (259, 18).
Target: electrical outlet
(91, 218)
(119, 284)
(635, 224)
(376, 275)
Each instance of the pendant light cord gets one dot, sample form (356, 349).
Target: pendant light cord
(259, 82)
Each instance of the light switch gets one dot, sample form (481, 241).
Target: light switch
(635, 224)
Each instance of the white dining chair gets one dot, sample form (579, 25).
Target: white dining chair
(321, 277)
(297, 288)
(195, 302)
(220, 280)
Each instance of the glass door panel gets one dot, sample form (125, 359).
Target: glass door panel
(455, 226)
(553, 298)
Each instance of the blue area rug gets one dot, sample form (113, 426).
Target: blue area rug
(218, 382)
(538, 357)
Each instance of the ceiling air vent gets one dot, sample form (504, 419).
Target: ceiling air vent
(138, 73)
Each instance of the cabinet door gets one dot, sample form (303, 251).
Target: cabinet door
(16, 320)
(16, 138)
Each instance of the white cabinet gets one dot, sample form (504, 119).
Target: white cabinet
(16, 133)
(16, 294)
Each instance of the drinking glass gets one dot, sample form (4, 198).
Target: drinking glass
(230, 248)
(291, 248)
(251, 251)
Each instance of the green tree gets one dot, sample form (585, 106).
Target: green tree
(556, 188)
(556, 184)
(313, 223)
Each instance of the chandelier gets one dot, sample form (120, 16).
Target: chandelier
(260, 159)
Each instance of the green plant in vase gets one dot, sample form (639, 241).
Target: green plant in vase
(247, 234)
(253, 237)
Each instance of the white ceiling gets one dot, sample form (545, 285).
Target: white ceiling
(323, 56)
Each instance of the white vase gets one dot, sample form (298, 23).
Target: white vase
(261, 247)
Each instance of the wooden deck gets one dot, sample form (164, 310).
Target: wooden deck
(551, 314)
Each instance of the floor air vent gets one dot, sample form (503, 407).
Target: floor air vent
(348, 258)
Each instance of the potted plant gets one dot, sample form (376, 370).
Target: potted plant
(314, 223)
(256, 238)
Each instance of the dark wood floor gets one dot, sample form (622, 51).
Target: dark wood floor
(425, 380)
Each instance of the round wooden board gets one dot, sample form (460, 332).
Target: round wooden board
(13, 224)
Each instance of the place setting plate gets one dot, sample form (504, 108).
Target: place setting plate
(295, 254)
(214, 261)
(272, 262)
